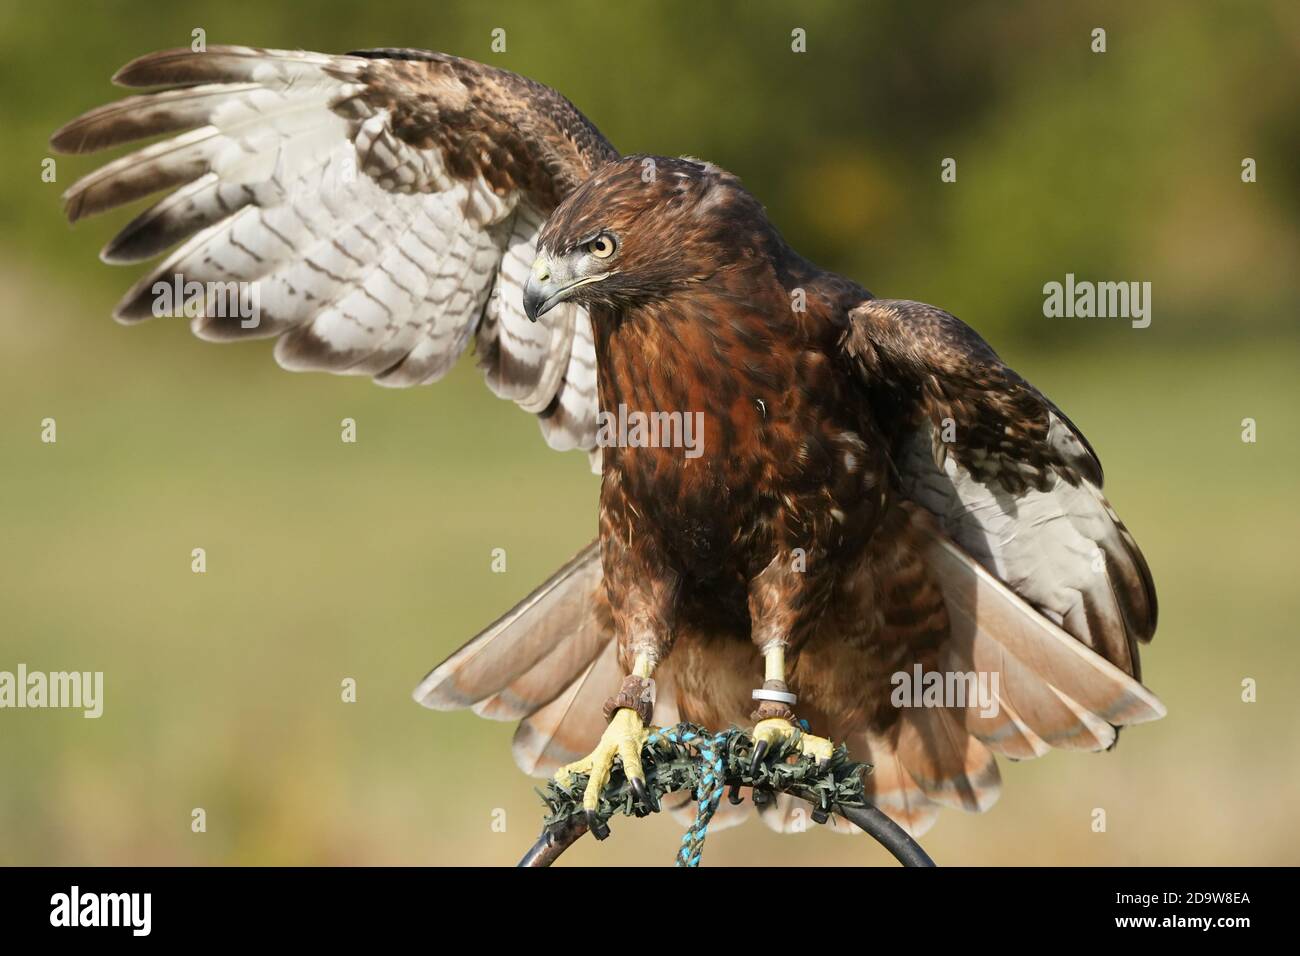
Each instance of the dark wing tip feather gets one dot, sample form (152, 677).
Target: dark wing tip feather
(157, 68)
(139, 117)
(73, 208)
(136, 305)
(110, 125)
(70, 138)
(96, 194)
(181, 66)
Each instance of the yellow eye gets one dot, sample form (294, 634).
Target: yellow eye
(602, 247)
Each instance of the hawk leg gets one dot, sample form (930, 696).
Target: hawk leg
(624, 738)
(775, 716)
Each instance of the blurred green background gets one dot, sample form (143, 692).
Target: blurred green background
(372, 561)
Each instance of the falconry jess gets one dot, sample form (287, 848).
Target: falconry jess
(77, 690)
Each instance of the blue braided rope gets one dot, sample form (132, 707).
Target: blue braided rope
(708, 793)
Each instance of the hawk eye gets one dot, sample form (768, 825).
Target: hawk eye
(603, 246)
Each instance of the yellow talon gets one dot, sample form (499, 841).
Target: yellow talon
(623, 738)
(775, 730)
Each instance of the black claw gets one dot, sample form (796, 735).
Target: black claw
(733, 795)
(641, 793)
(598, 829)
(760, 751)
(820, 815)
(761, 797)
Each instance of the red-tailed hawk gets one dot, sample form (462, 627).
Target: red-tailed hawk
(871, 499)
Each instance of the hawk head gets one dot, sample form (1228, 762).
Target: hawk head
(639, 229)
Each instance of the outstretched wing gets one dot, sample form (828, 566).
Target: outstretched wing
(1007, 475)
(375, 211)
(1026, 573)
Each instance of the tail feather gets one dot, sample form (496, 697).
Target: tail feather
(537, 687)
(571, 657)
(1024, 696)
(565, 729)
(951, 767)
(997, 625)
(551, 663)
(1004, 730)
(1091, 732)
(1051, 691)
(525, 638)
(892, 789)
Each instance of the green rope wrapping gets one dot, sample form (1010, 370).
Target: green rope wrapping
(689, 758)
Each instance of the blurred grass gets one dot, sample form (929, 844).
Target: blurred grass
(372, 561)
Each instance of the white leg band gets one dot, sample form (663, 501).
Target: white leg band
(781, 696)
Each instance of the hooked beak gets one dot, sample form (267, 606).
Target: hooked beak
(540, 295)
(550, 284)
